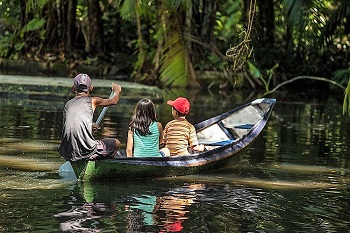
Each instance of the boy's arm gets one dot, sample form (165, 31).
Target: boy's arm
(194, 140)
(199, 147)
(98, 101)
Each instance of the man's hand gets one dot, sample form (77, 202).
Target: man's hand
(116, 87)
(95, 127)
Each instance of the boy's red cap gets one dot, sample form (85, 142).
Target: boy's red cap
(181, 105)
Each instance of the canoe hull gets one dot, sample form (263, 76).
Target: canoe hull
(111, 169)
(216, 157)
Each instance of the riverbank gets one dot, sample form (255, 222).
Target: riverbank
(34, 87)
(28, 68)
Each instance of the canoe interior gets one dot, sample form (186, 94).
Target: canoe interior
(233, 125)
(224, 136)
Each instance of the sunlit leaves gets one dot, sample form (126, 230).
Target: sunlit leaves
(338, 18)
(35, 5)
(129, 9)
(306, 15)
(173, 72)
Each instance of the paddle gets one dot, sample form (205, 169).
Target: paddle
(67, 167)
(104, 110)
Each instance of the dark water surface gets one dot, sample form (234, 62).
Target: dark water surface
(294, 178)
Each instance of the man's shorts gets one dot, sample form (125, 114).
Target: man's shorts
(105, 148)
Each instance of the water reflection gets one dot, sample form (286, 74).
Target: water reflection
(151, 206)
(170, 206)
(77, 218)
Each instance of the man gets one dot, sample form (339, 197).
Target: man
(78, 141)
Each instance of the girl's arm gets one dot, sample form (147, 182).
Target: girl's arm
(165, 150)
(129, 144)
(160, 129)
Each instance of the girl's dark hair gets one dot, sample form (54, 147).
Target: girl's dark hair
(144, 115)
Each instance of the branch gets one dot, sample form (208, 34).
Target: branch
(304, 77)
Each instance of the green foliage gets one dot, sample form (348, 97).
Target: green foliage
(129, 9)
(255, 73)
(32, 25)
(4, 42)
(346, 103)
(342, 76)
(306, 15)
(173, 71)
(171, 37)
(253, 70)
(35, 5)
(336, 19)
(82, 12)
(228, 24)
(19, 45)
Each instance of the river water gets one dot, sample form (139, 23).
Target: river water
(294, 178)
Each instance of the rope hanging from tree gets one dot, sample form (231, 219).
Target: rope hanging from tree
(240, 53)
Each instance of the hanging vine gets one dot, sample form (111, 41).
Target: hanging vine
(239, 54)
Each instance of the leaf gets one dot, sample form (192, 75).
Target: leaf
(35, 24)
(128, 9)
(255, 72)
(19, 46)
(32, 25)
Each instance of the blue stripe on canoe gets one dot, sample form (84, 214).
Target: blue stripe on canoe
(245, 126)
(221, 143)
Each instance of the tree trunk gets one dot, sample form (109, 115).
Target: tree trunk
(94, 43)
(266, 21)
(60, 24)
(22, 6)
(71, 20)
(193, 82)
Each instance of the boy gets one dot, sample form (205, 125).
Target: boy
(179, 134)
(77, 133)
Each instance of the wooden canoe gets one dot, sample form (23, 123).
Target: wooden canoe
(224, 136)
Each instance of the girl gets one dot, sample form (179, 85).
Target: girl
(145, 132)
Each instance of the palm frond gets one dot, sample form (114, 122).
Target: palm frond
(173, 68)
(305, 14)
(342, 76)
(337, 18)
